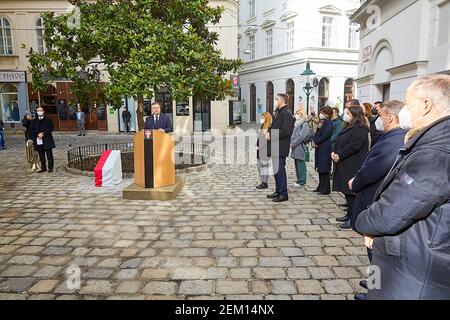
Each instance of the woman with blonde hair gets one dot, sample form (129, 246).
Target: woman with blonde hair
(263, 150)
(300, 138)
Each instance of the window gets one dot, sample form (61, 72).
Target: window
(252, 8)
(252, 47)
(10, 103)
(443, 32)
(269, 97)
(349, 90)
(40, 35)
(290, 36)
(5, 37)
(328, 30)
(290, 91)
(324, 92)
(269, 42)
(353, 36)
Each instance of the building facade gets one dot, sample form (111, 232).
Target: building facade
(278, 38)
(400, 41)
(20, 23)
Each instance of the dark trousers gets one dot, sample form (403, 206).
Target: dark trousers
(42, 154)
(324, 183)
(127, 126)
(279, 170)
(369, 254)
(350, 201)
(2, 139)
(300, 170)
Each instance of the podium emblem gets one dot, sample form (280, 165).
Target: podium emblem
(148, 133)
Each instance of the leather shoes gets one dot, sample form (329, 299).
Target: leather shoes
(42, 171)
(342, 219)
(280, 199)
(273, 195)
(262, 186)
(363, 284)
(50, 170)
(361, 296)
(346, 225)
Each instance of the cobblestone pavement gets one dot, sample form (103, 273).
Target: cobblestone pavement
(220, 239)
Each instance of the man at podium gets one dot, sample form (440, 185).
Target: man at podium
(158, 120)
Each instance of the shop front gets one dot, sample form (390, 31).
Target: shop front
(13, 98)
(60, 106)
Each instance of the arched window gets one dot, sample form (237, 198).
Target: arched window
(349, 90)
(324, 92)
(269, 97)
(5, 37)
(290, 91)
(40, 36)
(252, 103)
(10, 103)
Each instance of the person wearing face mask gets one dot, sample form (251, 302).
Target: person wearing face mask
(409, 220)
(301, 136)
(280, 138)
(263, 150)
(41, 131)
(349, 150)
(382, 157)
(322, 144)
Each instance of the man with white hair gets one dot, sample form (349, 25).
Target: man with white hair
(410, 218)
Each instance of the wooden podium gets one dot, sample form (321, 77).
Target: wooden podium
(154, 168)
(154, 165)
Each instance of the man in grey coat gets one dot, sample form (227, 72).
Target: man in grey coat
(410, 218)
(81, 119)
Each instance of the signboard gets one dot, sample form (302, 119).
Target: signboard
(13, 76)
(367, 52)
(235, 81)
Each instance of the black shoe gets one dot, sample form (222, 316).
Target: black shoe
(346, 225)
(273, 195)
(262, 186)
(343, 205)
(324, 194)
(342, 219)
(50, 170)
(363, 284)
(79, 135)
(280, 199)
(361, 296)
(42, 171)
(84, 134)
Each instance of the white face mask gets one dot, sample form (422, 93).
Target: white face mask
(347, 118)
(322, 117)
(405, 118)
(262, 121)
(297, 117)
(40, 113)
(379, 124)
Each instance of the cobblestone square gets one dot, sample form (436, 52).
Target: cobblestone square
(220, 239)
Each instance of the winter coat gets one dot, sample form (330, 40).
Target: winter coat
(410, 220)
(299, 134)
(281, 132)
(375, 168)
(322, 140)
(351, 146)
(46, 126)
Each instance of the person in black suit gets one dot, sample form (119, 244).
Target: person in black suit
(158, 120)
(41, 132)
(280, 141)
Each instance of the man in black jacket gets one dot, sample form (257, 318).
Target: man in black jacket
(410, 218)
(280, 140)
(41, 131)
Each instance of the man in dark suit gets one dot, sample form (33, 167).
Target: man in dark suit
(41, 131)
(158, 120)
(280, 141)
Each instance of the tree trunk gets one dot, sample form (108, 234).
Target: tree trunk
(140, 113)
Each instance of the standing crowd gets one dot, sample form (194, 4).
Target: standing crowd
(391, 161)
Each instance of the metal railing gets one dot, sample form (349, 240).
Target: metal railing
(82, 157)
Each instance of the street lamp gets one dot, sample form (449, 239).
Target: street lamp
(308, 88)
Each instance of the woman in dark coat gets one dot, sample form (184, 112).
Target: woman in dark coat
(350, 148)
(322, 144)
